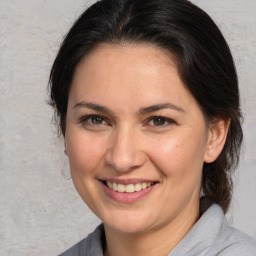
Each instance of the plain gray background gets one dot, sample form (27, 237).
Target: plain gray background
(40, 211)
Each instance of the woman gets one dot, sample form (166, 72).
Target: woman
(146, 96)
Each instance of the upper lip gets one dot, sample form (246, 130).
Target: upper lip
(127, 181)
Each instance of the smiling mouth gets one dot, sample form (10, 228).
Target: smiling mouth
(129, 188)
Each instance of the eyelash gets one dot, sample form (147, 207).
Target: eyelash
(88, 119)
(165, 119)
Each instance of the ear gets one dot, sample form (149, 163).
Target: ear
(65, 147)
(216, 139)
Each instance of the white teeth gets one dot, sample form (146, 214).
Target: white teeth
(115, 187)
(144, 185)
(138, 187)
(121, 188)
(130, 188)
(110, 185)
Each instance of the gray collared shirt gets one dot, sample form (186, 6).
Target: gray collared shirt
(210, 236)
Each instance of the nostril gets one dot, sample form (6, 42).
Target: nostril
(124, 153)
(125, 161)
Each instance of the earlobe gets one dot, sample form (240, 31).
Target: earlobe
(216, 139)
(65, 150)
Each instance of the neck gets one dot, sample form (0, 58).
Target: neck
(158, 241)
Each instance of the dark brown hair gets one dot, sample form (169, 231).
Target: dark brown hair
(205, 65)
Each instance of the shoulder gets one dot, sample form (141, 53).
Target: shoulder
(74, 250)
(230, 241)
(236, 243)
(213, 236)
(89, 246)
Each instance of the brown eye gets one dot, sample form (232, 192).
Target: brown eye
(96, 120)
(159, 121)
(93, 120)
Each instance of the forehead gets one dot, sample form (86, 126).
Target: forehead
(127, 54)
(121, 73)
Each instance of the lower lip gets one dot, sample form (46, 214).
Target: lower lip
(123, 197)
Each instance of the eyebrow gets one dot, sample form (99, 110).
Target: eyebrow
(142, 111)
(96, 107)
(157, 107)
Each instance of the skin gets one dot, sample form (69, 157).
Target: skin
(126, 142)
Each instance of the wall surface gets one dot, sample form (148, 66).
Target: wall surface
(40, 211)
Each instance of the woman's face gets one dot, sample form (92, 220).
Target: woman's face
(135, 137)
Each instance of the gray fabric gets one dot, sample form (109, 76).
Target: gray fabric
(210, 236)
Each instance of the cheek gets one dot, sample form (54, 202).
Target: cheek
(178, 156)
(84, 153)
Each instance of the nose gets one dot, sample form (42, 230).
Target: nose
(125, 152)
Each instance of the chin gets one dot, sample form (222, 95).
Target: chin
(127, 228)
(128, 222)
